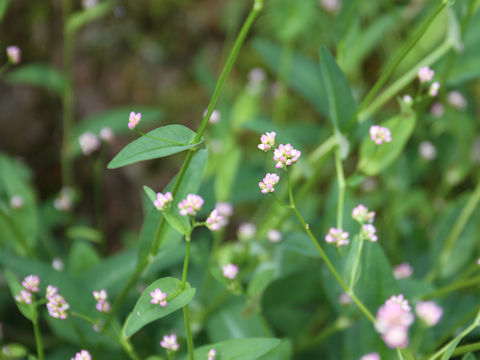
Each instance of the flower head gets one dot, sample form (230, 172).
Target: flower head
(51, 291)
(433, 90)
(190, 205)
(16, 202)
(106, 134)
(88, 4)
(429, 312)
(89, 142)
(224, 208)
(169, 342)
(133, 120)
(402, 271)
(215, 221)
(57, 306)
(425, 74)
(368, 232)
(230, 271)
(246, 231)
(337, 237)
(31, 283)
(14, 54)
(274, 236)
(57, 264)
(407, 99)
(285, 155)
(267, 141)
(331, 6)
(362, 215)
(370, 356)
(163, 200)
(82, 355)
(159, 297)
(393, 320)
(102, 302)
(427, 150)
(211, 354)
(380, 134)
(457, 100)
(24, 297)
(269, 182)
(64, 201)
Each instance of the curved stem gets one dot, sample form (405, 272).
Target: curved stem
(38, 339)
(341, 188)
(185, 263)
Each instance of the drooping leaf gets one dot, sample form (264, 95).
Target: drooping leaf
(41, 75)
(374, 158)
(145, 312)
(158, 143)
(238, 349)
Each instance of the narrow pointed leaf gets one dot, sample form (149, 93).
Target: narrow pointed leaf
(15, 287)
(41, 75)
(239, 349)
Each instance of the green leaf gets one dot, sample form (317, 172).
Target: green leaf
(82, 257)
(3, 8)
(158, 143)
(14, 351)
(152, 195)
(238, 349)
(374, 158)
(469, 356)
(84, 233)
(341, 105)
(451, 348)
(41, 75)
(27, 310)
(178, 222)
(228, 166)
(81, 18)
(145, 312)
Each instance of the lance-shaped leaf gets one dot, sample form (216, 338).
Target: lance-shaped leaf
(145, 312)
(41, 75)
(238, 349)
(158, 143)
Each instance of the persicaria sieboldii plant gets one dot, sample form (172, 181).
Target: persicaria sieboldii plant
(236, 226)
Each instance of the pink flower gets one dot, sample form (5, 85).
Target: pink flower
(393, 320)
(433, 91)
(24, 297)
(457, 100)
(337, 237)
(133, 120)
(425, 74)
(215, 221)
(211, 354)
(169, 342)
(82, 355)
(16, 202)
(14, 54)
(163, 201)
(368, 232)
(371, 356)
(344, 299)
(159, 297)
(331, 6)
(380, 134)
(429, 312)
(102, 302)
(437, 109)
(31, 283)
(269, 182)
(402, 271)
(106, 134)
(230, 271)
(224, 208)
(190, 205)
(285, 155)
(57, 306)
(267, 141)
(274, 236)
(362, 215)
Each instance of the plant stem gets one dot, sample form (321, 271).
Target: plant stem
(290, 193)
(185, 263)
(456, 285)
(466, 348)
(355, 266)
(341, 188)
(38, 339)
(186, 318)
(67, 97)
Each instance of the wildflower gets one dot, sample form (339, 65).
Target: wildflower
(133, 120)
(478, 261)
(190, 205)
(224, 208)
(371, 356)
(380, 134)
(102, 302)
(427, 150)
(457, 100)
(230, 271)
(407, 99)
(24, 297)
(362, 215)
(88, 4)
(402, 271)
(429, 312)
(215, 117)
(215, 220)
(344, 299)
(31, 283)
(337, 237)
(106, 134)
(57, 264)
(368, 232)
(285, 155)
(425, 74)
(56, 305)
(16, 202)
(274, 236)
(159, 297)
(437, 109)
(433, 90)
(269, 182)
(246, 231)
(267, 141)
(211, 354)
(169, 342)
(89, 142)
(82, 355)
(14, 54)
(163, 201)
(256, 75)
(64, 201)
(332, 6)
(393, 320)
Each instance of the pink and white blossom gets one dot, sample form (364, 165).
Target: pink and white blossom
(267, 141)
(380, 134)
(190, 205)
(158, 297)
(338, 237)
(163, 200)
(169, 342)
(134, 119)
(230, 271)
(267, 185)
(285, 155)
(429, 312)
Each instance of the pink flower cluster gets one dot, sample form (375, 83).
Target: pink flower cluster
(56, 305)
(380, 134)
(393, 320)
(82, 355)
(30, 285)
(211, 354)
(190, 205)
(368, 232)
(134, 119)
(269, 182)
(158, 297)
(102, 301)
(267, 141)
(429, 312)
(337, 237)
(362, 215)
(425, 74)
(163, 200)
(215, 221)
(169, 342)
(230, 271)
(402, 271)
(285, 156)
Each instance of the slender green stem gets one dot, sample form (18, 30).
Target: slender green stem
(357, 262)
(394, 64)
(461, 350)
(456, 285)
(38, 339)
(399, 354)
(188, 331)
(281, 99)
(290, 193)
(185, 263)
(455, 233)
(341, 188)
